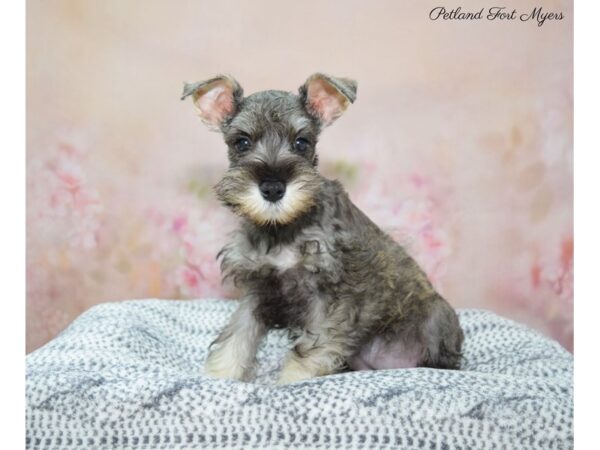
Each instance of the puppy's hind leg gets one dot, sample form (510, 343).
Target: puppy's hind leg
(322, 349)
(313, 356)
(233, 353)
(434, 340)
(443, 336)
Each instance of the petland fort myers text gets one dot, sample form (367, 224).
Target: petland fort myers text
(497, 14)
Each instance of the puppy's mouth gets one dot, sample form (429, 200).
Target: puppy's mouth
(268, 202)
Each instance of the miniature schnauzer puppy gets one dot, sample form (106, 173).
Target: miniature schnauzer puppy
(305, 257)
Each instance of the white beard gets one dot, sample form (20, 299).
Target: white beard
(296, 200)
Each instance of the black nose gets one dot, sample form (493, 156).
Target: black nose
(272, 190)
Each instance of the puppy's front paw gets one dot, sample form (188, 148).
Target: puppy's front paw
(293, 371)
(220, 364)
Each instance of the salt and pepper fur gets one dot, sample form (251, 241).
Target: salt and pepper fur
(313, 263)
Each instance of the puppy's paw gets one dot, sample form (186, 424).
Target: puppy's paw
(220, 364)
(293, 371)
(232, 372)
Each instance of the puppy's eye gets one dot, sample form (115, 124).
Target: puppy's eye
(301, 145)
(242, 144)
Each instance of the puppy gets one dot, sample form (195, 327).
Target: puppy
(306, 258)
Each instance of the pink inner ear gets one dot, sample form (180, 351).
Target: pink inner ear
(216, 103)
(325, 100)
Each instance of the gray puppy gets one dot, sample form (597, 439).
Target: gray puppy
(307, 259)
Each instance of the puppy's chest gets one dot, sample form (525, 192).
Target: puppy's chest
(286, 279)
(287, 284)
(302, 256)
(312, 252)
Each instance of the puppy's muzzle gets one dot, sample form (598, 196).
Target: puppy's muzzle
(272, 190)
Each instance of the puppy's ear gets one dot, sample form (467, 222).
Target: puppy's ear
(216, 100)
(326, 98)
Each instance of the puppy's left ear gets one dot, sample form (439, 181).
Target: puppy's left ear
(216, 100)
(326, 98)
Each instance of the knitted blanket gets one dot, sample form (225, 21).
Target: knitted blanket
(129, 375)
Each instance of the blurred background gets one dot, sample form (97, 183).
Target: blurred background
(459, 145)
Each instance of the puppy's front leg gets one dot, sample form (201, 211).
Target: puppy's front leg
(235, 349)
(316, 353)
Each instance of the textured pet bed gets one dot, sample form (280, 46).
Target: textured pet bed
(129, 375)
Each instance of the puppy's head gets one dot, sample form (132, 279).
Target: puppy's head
(271, 137)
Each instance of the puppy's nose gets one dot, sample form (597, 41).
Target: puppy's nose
(272, 190)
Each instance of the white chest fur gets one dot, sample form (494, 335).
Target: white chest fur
(311, 250)
(283, 257)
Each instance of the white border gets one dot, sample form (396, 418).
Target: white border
(587, 223)
(12, 317)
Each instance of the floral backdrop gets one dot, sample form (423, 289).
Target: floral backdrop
(459, 145)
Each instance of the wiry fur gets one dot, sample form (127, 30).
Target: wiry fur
(313, 263)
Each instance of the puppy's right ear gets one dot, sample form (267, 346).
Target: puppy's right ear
(216, 100)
